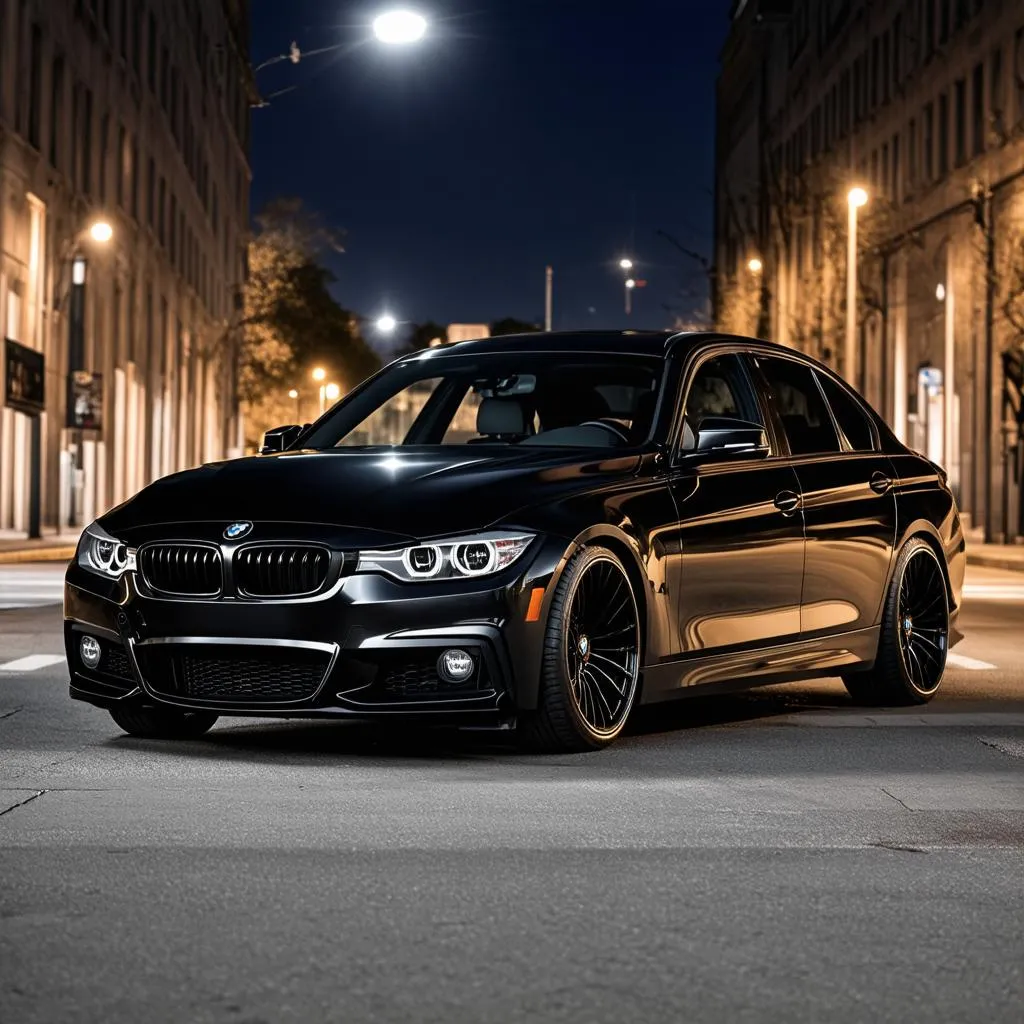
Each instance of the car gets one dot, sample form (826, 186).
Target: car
(535, 533)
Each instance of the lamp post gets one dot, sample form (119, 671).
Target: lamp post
(319, 376)
(99, 232)
(855, 199)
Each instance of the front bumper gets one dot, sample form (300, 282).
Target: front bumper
(368, 649)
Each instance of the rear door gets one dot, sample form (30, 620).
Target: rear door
(848, 498)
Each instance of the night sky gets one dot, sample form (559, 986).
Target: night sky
(521, 133)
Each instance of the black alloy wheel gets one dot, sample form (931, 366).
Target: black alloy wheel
(915, 634)
(591, 670)
(163, 723)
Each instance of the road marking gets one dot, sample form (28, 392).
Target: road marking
(30, 586)
(32, 663)
(994, 591)
(971, 664)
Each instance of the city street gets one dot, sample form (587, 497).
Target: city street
(779, 855)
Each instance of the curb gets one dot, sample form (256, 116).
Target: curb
(64, 554)
(989, 561)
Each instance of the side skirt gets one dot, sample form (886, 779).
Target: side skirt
(762, 666)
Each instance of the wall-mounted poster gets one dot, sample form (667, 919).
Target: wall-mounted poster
(85, 401)
(25, 378)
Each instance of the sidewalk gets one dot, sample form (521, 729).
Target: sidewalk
(996, 556)
(51, 547)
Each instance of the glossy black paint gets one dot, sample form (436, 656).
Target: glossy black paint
(750, 567)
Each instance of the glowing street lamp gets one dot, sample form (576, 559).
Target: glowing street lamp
(755, 266)
(855, 199)
(626, 264)
(333, 392)
(400, 27)
(101, 232)
(386, 324)
(319, 375)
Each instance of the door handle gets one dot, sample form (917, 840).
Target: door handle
(880, 483)
(787, 502)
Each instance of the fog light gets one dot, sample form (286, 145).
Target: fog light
(90, 651)
(455, 666)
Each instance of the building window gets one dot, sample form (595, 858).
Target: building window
(151, 194)
(886, 70)
(996, 92)
(122, 146)
(943, 161)
(929, 28)
(884, 180)
(104, 156)
(978, 102)
(135, 178)
(943, 22)
(876, 71)
(912, 154)
(56, 111)
(161, 218)
(929, 143)
(897, 50)
(86, 142)
(35, 89)
(123, 27)
(151, 52)
(895, 185)
(960, 99)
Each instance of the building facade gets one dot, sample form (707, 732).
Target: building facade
(134, 114)
(921, 104)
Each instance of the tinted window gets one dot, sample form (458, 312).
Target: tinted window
(800, 406)
(849, 415)
(719, 388)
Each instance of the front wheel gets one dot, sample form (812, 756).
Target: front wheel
(163, 723)
(915, 634)
(591, 667)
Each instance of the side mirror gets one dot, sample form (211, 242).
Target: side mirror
(280, 439)
(727, 437)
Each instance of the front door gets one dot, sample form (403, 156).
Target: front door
(741, 535)
(849, 503)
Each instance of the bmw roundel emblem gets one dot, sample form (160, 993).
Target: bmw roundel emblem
(237, 530)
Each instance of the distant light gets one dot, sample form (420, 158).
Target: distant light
(293, 393)
(101, 232)
(626, 264)
(333, 392)
(319, 374)
(755, 266)
(386, 324)
(78, 272)
(857, 197)
(631, 283)
(397, 28)
(940, 292)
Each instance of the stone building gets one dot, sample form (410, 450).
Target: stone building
(921, 104)
(134, 114)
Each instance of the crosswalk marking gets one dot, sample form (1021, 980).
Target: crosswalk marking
(32, 663)
(972, 664)
(30, 586)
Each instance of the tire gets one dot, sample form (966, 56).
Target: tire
(587, 689)
(914, 641)
(163, 723)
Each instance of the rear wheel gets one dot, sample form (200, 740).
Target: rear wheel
(915, 634)
(163, 723)
(591, 668)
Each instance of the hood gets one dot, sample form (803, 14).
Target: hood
(403, 493)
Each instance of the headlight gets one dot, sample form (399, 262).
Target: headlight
(460, 558)
(105, 555)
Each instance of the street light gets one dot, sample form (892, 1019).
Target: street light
(626, 264)
(399, 28)
(755, 266)
(333, 392)
(855, 199)
(319, 376)
(386, 324)
(101, 232)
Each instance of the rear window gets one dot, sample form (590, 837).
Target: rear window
(852, 419)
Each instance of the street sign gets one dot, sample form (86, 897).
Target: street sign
(85, 401)
(25, 377)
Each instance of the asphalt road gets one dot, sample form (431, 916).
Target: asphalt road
(777, 856)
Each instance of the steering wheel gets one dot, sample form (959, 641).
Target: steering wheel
(611, 426)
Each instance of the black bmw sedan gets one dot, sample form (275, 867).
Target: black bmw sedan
(537, 532)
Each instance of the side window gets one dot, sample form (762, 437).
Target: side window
(852, 419)
(719, 388)
(800, 406)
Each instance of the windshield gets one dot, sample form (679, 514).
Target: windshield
(588, 400)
